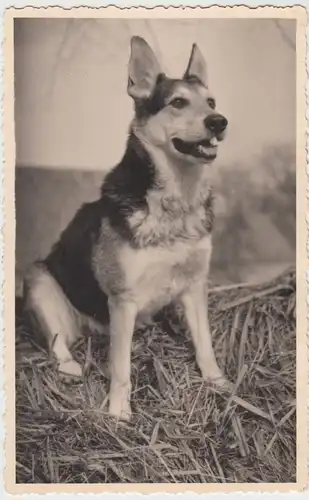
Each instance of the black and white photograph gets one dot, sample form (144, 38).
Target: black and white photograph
(156, 315)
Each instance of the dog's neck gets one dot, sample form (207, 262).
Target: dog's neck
(182, 184)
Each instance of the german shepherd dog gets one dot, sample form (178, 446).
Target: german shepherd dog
(146, 242)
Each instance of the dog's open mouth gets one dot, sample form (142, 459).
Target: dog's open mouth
(206, 149)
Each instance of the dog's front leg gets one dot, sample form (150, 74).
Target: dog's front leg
(196, 313)
(122, 321)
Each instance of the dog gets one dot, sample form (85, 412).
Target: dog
(146, 242)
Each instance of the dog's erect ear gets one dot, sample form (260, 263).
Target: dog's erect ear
(143, 69)
(197, 67)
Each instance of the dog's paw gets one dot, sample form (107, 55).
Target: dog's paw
(119, 407)
(70, 371)
(220, 382)
(121, 414)
(217, 379)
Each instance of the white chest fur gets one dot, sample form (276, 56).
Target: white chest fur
(154, 276)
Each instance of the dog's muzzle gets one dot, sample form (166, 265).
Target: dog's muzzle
(205, 149)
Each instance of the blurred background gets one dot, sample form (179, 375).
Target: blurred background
(72, 114)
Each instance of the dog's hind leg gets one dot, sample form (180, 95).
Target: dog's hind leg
(56, 318)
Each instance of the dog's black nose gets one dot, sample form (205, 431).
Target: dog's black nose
(216, 123)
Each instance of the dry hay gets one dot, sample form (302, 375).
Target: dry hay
(182, 430)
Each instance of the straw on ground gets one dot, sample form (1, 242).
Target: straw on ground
(182, 430)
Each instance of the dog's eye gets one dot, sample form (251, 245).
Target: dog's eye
(179, 102)
(211, 103)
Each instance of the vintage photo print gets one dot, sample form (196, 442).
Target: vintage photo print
(155, 231)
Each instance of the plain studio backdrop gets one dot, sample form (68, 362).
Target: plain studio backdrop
(72, 114)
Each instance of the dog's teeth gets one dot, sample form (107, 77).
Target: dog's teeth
(202, 149)
(213, 141)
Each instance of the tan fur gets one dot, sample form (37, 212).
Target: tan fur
(181, 185)
(195, 305)
(55, 317)
(168, 259)
(157, 132)
(151, 276)
(187, 123)
(167, 220)
(141, 281)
